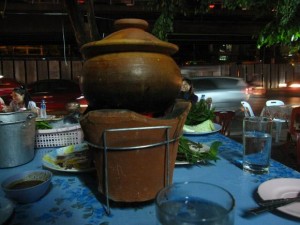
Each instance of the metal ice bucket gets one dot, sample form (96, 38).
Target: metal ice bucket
(17, 134)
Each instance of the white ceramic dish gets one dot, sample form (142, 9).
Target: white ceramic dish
(6, 209)
(205, 148)
(218, 127)
(282, 188)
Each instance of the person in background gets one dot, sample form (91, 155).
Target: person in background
(21, 101)
(2, 104)
(187, 91)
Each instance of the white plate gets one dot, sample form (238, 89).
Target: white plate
(282, 188)
(218, 127)
(64, 150)
(72, 170)
(6, 209)
(205, 148)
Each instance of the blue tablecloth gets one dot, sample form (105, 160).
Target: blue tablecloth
(74, 199)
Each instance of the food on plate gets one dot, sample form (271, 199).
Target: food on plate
(206, 126)
(200, 112)
(70, 157)
(193, 152)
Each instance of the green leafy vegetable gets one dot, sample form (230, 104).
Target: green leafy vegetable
(186, 152)
(42, 125)
(200, 112)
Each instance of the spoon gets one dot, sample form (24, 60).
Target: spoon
(270, 205)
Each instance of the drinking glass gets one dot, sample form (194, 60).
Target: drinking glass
(192, 203)
(257, 141)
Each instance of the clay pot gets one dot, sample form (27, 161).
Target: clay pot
(130, 69)
(133, 175)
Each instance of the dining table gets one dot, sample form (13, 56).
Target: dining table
(282, 112)
(73, 197)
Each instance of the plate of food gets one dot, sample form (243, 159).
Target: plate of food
(72, 158)
(190, 152)
(206, 127)
(48, 118)
(282, 188)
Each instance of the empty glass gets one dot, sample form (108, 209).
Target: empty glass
(192, 203)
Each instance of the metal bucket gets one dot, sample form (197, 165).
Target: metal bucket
(17, 135)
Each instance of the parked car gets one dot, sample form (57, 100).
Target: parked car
(6, 87)
(226, 92)
(58, 94)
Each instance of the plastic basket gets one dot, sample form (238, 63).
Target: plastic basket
(59, 137)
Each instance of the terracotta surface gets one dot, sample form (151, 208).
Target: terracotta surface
(131, 35)
(130, 69)
(133, 175)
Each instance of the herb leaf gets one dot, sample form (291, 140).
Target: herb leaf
(200, 112)
(42, 125)
(186, 153)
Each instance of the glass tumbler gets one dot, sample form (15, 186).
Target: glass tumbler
(192, 203)
(257, 141)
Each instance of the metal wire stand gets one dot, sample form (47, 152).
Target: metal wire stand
(105, 148)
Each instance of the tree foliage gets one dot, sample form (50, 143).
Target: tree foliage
(283, 16)
(284, 28)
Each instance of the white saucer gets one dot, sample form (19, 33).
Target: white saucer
(282, 188)
(6, 209)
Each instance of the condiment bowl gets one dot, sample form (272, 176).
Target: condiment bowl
(27, 186)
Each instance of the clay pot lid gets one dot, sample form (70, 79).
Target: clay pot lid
(130, 36)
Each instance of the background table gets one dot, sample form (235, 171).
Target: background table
(74, 199)
(278, 111)
(280, 114)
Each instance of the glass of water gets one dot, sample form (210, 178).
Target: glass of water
(257, 141)
(192, 203)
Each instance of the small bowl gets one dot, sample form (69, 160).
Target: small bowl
(28, 186)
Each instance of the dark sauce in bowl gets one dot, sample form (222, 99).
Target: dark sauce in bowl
(24, 184)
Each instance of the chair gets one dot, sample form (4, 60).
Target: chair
(293, 134)
(224, 118)
(247, 109)
(278, 122)
(274, 102)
